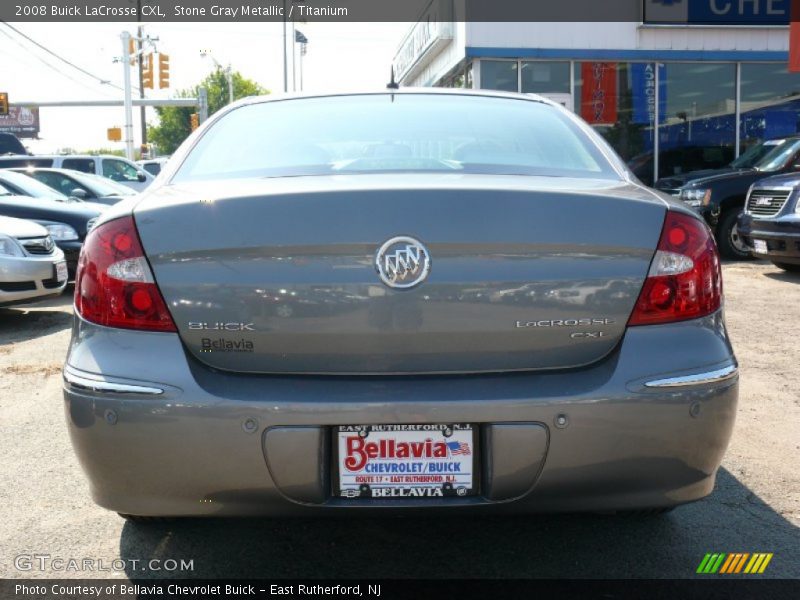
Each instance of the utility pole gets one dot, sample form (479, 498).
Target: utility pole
(285, 64)
(140, 47)
(294, 56)
(202, 104)
(126, 69)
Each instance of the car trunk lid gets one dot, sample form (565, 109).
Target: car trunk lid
(279, 276)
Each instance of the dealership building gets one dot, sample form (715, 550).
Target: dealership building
(680, 85)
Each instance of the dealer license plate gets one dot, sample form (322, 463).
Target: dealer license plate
(760, 246)
(405, 461)
(61, 271)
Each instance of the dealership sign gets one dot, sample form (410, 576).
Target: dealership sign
(428, 36)
(643, 83)
(22, 121)
(718, 12)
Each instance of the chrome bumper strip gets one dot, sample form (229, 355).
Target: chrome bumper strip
(697, 379)
(101, 385)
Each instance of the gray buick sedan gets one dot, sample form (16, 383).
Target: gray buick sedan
(409, 299)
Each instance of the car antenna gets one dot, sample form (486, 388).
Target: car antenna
(392, 85)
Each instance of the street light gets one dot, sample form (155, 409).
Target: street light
(228, 74)
(299, 38)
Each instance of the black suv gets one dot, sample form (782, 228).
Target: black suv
(770, 224)
(719, 195)
(10, 144)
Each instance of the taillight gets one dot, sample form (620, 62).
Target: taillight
(114, 285)
(685, 281)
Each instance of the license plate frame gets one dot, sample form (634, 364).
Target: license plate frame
(61, 271)
(760, 247)
(426, 476)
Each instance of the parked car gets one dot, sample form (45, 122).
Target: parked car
(770, 224)
(79, 185)
(10, 144)
(115, 168)
(678, 161)
(67, 222)
(720, 197)
(181, 380)
(32, 267)
(153, 165)
(21, 184)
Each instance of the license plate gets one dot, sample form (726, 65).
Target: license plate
(405, 461)
(61, 271)
(760, 246)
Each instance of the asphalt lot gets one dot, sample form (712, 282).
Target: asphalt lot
(755, 507)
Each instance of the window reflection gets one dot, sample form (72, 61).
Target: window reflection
(770, 103)
(618, 99)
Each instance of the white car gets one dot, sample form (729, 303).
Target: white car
(153, 165)
(32, 267)
(115, 168)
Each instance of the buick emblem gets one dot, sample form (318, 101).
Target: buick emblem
(403, 262)
(48, 244)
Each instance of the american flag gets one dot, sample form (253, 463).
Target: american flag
(459, 448)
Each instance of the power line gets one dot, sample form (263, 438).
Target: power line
(61, 58)
(44, 62)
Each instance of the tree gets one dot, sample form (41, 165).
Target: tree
(174, 121)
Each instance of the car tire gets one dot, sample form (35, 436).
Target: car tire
(730, 243)
(787, 267)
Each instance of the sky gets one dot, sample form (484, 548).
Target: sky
(341, 57)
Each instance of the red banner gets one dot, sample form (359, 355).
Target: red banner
(599, 93)
(794, 38)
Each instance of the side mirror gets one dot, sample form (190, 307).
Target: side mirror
(141, 177)
(79, 194)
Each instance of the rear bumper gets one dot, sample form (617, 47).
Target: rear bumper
(196, 442)
(781, 234)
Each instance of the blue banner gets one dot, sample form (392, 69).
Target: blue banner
(643, 85)
(718, 12)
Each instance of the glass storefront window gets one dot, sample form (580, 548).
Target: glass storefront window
(499, 75)
(618, 100)
(770, 103)
(696, 107)
(540, 77)
(697, 124)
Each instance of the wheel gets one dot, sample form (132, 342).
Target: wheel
(731, 245)
(787, 267)
(139, 519)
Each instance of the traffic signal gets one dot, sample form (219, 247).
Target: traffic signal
(132, 51)
(3, 104)
(195, 121)
(163, 71)
(147, 71)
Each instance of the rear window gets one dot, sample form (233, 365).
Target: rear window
(394, 133)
